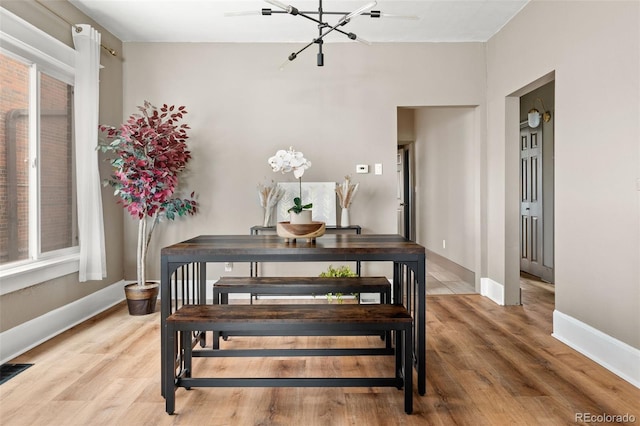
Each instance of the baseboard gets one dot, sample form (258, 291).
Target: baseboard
(493, 290)
(614, 355)
(30, 334)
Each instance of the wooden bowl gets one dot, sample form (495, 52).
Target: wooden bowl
(309, 231)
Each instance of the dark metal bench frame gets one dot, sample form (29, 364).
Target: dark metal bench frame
(287, 319)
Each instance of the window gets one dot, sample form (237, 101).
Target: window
(38, 227)
(36, 173)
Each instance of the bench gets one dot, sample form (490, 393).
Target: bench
(292, 319)
(300, 286)
(296, 286)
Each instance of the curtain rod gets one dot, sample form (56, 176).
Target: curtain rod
(77, 28)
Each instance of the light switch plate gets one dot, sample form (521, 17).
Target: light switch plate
(362, 168)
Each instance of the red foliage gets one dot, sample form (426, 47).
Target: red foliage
(150, 152)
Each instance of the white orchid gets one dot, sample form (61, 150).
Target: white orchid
(287, 161)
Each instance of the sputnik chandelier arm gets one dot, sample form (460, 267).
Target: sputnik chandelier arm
(324, 28)
(343, 21)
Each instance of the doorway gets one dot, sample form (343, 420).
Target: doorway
(405, 191)
(531, 218)
(536, 146)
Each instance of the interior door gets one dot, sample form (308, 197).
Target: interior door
(401, 206)
(531, 225)
(406, 192)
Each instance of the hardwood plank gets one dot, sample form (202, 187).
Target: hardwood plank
(486, 365)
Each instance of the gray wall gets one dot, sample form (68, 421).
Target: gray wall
(243, 109)
(446, 201)
(593, 50)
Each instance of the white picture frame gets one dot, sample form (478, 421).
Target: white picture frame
(321, 194)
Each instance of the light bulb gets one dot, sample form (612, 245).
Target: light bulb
(278, 4)
(360, 10)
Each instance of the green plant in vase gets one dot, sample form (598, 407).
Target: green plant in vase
(298, 207)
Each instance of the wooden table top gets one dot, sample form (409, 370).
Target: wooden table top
(348, 244)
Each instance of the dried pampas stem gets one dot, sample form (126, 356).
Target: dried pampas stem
(346, 191)
(269, 196)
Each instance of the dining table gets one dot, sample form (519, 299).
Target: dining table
(184, 272)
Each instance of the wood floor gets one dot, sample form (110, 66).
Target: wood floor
(486, 365)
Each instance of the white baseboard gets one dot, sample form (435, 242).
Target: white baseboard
(493, 290)
(614, 355)
(23, 337)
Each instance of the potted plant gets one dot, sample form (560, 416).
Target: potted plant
(149, 153)
(341, 271)
(287, 161)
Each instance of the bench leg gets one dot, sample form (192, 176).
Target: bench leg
(187, 358)
(169, 371)
(385, 298)
(215, 344)
(202, 337)
(399, 354)
(222, 299)
(408, 369)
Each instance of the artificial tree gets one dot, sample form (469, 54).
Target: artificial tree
(150, 152)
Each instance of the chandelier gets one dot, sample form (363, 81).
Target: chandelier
(324, 28)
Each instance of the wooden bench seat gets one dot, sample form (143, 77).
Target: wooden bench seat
(332, 319)
(318, 286)
(301, 286)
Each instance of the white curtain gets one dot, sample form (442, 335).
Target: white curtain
(93, 265)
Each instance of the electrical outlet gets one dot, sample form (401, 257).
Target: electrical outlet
(378, 168)
(444, 243)
(228, 266)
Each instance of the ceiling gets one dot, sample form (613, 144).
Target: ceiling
(205, 20)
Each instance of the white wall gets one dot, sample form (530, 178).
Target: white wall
(242, 109)
(593, 47)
